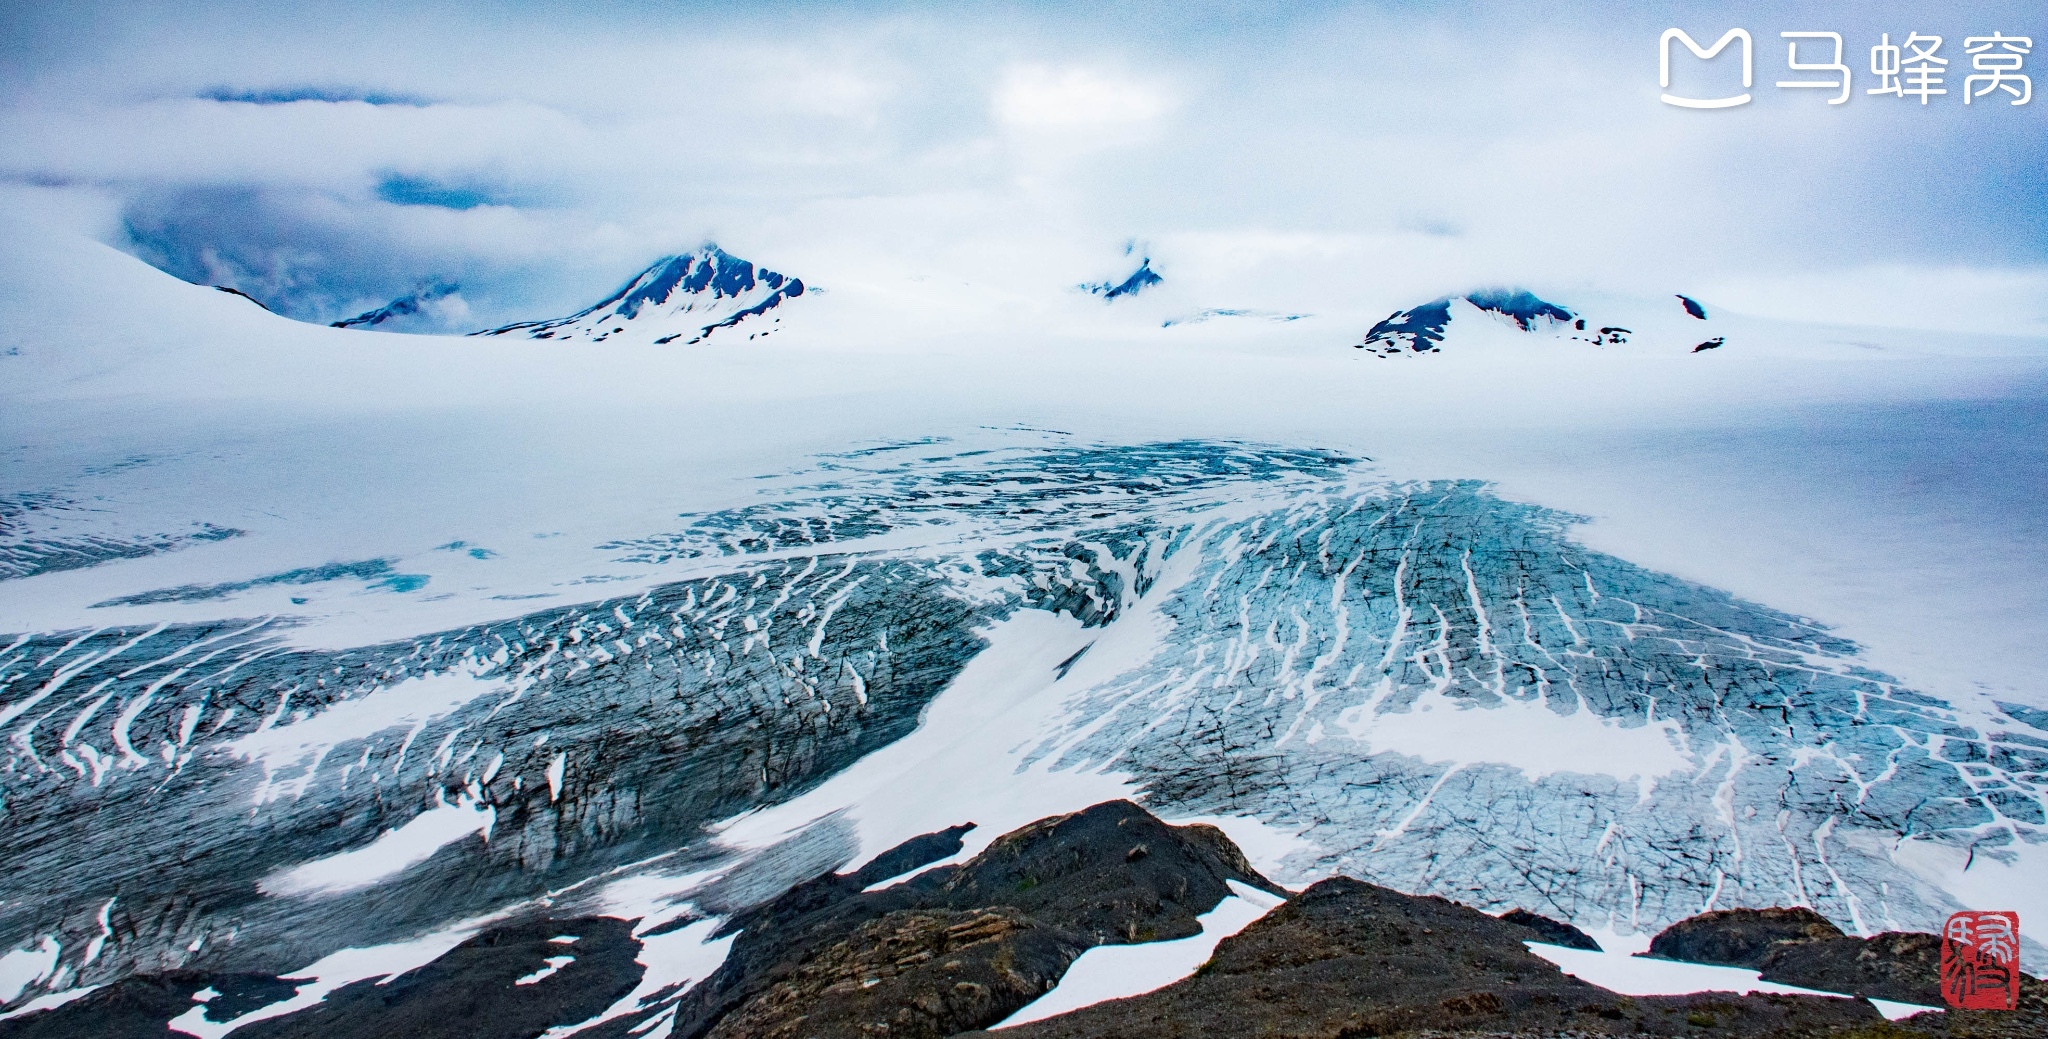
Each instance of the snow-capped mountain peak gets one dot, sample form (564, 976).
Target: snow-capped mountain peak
(684, 297)
(1422, 329)
(1144, 277)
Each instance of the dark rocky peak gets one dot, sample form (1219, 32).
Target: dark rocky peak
(1114, 872)
(410, 305)
(1692, 306)
(1138, 281)
(1417, 330)
(911, 974)
(707, 271)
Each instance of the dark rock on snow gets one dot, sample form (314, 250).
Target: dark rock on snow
(918, 851)
(1899, 965)
(474, 991)
(1141, 279)
(400, 308)
(1739, 937)
(238, 292)
(1799, 947)
(131, 1008)
(1551, 931)
(1421, 329)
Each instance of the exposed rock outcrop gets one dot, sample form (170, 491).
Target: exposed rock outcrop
(912, 974)
(1799, 947)
(1552, 931)
(1739, 937)
(1346, 958)
(975, 941)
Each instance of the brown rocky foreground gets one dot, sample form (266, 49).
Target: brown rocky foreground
(958, 948)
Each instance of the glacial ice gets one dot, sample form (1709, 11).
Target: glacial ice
(1418, 683)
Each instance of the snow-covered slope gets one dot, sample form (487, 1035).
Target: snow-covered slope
(320, 638)
(681, 298)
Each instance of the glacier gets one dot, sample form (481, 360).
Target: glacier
(323, 640)
(1355, 661)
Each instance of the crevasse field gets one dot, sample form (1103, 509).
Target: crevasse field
(322, 648)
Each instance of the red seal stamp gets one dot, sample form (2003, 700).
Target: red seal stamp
(1980, 961)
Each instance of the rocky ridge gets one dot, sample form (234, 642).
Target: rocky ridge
(953, 949)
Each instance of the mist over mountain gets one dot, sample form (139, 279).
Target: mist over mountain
(824, 521)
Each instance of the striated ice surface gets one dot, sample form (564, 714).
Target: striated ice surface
(1434, 687)
(1445, 694)
(40, 533)
(175, 769)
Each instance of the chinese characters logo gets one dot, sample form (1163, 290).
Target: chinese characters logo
(1980, 961)
(1912, 69)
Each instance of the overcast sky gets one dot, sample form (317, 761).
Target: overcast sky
(1275, 155)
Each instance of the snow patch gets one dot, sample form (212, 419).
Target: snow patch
(49, 1002)
(332, 972)
(393, 851)
(2008, 877)
(975, 735)
(678, 958)
(24, 967)
(1119, 971)
(1525, 735)
(1617, 968)
(554, 963)
(297, 748)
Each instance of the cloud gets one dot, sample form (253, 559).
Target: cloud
(323, 257)
(1037, 98)
(1296, 159)
(1953, 298)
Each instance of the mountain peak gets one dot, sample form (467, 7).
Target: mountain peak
(1656, 324)
(684, 296)
(412, 305)
(1139, 280)
(1421, 329)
